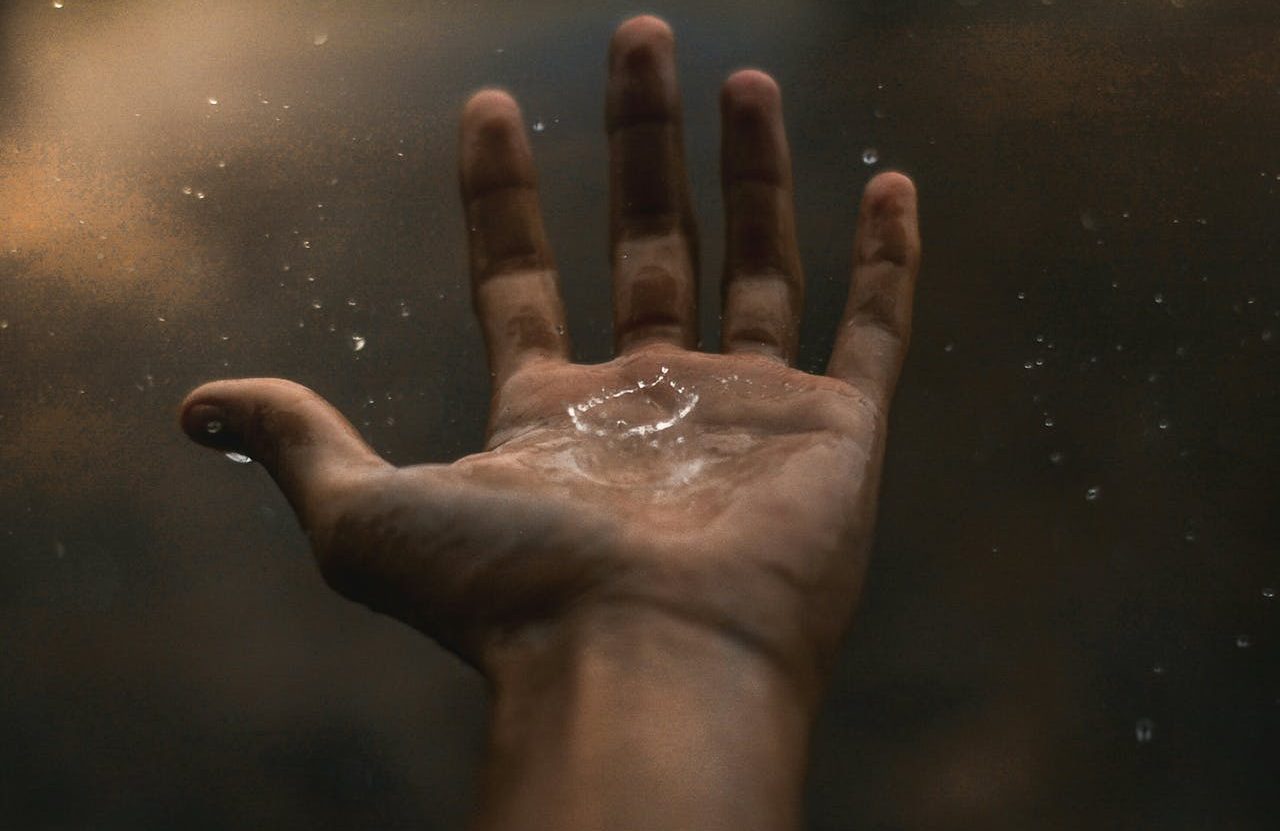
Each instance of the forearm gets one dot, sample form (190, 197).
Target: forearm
(643, 722)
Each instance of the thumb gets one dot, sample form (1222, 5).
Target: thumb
(303, 442)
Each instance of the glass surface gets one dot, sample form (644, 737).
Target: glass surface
(1070, 619)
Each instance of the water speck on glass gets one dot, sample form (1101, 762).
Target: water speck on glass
(1159, 298)
(320, 39)
(352, 302)
(1189, 536)
(539, 126)
(559, 328)
(1143, 730)
(878, 112)
(214, 426)
(57, 4)
(1048, 421)
(949, 347)
(1093, 493)
(1244, 641)
(357, 343)
(213, 102)
(222, 164)
(199, 194)
(1022, 295)
(1269, 592)
(870, 155)
(187, 190)
(1027, 364)
(316, 304)
(1039, 361)
(4, 324)
(238, 458)
(404, 310)
(1163, 424)
(306, 243)
(1056, 457)
(1157, 669)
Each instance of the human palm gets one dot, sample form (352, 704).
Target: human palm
(730, 489)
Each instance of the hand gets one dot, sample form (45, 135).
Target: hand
(730, 491)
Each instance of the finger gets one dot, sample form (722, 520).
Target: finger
(303, 442)
(652, 231)
(514, 286)
(763, 285)
(871, 342)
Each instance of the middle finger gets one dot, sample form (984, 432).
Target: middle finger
(653, 237)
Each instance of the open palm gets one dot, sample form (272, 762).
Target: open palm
(727, 489)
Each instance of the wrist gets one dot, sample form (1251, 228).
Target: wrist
(633, 717)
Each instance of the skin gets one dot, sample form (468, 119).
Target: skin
(653, 560)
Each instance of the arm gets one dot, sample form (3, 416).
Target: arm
(653, 560)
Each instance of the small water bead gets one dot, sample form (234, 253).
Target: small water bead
(1159, 298)
(949, 347)
(199, 194)
(870, 156)
(1163, 424)
(306, 243)
(1244, 641)
(213, 102)
(539, 126)
(1048, 421)
(238, 458)
(187, 190)
(1056, 457)
(320, 39)
(1093, 493)
(1269, 593)
(1022, 295)
(357, 343)
(57, 4)
(214, 426)
(1157, 669)
(1143, 730)
(404, 311)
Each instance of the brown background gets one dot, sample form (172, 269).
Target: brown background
(1100, 200)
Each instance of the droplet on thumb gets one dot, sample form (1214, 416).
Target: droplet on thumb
(210, 425)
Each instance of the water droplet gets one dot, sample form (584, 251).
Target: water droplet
(1268, 593)
(1027, 364)
(187, 190)
(949, 347)
(238, 458)
(357, 343)
(404, 311)
(1143, 730)
(306, 243)
(1244, 641)
(222, 164)
(1158, 669)
(4, 324)
(1266, 335)
(1022, 295)
(1056, 457)
(870, 155)
(539, 126)
(214, 426)
(1092, 493)
(1163, 424)
(320, 39)
(1189, 536)
(199, 194)
(316, 304)
(351, 301)
(57, 4)
(1159, 298)
(213, 102)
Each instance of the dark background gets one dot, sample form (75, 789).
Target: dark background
(1098, 309)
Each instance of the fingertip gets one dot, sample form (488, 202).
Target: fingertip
(890, 190)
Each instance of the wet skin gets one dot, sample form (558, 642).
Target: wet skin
(731, 494)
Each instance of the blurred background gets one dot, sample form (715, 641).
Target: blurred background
(1071, 618)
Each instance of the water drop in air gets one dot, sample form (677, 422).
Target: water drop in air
(870, 155)
(238, 458)
(539, 126)
(357, 343)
